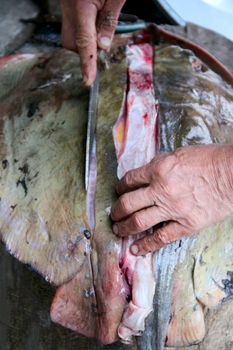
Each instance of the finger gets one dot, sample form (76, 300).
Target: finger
(68, 24)
(139, 222)
(134, 179)
(139, 177)
(86, 39)
(161, 237)
(131, 202)
(107, 22)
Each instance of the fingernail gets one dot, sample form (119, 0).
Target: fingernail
(86, 80)
(105, 42)
(134, 249)
(115, 229)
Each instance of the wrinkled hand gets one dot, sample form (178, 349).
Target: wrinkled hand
(87, 24)
(186, 190)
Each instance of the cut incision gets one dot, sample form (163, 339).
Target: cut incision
(117, 276)
(136, 130)
(136, 140)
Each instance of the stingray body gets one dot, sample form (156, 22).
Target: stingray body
(195, 107)
(45, 212)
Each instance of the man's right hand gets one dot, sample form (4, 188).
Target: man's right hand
(86, 25)
(188, 189)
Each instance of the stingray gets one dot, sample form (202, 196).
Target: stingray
(46, 216)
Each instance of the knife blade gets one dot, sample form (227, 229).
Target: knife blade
(91, 125)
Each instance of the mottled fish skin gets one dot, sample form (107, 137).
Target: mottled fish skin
(109, 288)
(195, 107)
(187, 90)
(111, 292)
(42, 157)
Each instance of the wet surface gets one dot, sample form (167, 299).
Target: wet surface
(25, 297)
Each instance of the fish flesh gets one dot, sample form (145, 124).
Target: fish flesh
(45, 213)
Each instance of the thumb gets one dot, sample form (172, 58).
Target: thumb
(161, 237)
(107, 22)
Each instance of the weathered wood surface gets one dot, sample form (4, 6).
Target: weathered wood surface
(25, 297)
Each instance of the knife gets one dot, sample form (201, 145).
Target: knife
(91, 125)
(122, 27)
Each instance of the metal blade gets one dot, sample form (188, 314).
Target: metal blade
(91, 126)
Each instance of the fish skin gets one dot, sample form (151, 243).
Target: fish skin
(111, 290)
(42, 154)
(108, 283)
(42, 248)
(64, 308)
(195, 107)
(169, 142)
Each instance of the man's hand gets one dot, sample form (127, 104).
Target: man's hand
(87, 24)
(180, 192)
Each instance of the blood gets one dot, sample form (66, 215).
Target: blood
(140, 82)
(136, 143)
(147, 57)
(146, 118)
(121, 263)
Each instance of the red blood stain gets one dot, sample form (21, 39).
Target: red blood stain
(147, 54)
(121, 263)
(140, 81)
(146, 118)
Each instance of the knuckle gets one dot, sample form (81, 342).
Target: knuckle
(128, 178)
(98, 4)
(180, 153)
(124, 203)
(84, 40)
(166, 165)
(137, 221)
(108, 24)
(108, 20)
(161, 238)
